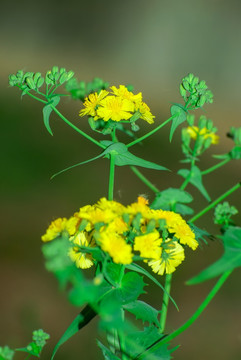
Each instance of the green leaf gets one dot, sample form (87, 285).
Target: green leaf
(6, 353)
(138, 342)
(138, 268)
(31, 349)
(112, 272)
(82, 319)
(143, 311)
(47, 111)
(131, 287)
(195, 178)
(170, 199)
(180, 117)
(230, 260)
(124, 157)
(108, 355)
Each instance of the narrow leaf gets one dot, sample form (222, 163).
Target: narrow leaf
(82, 319)
(47, 111)
(124, 157)
(178, 119)
(108, 355)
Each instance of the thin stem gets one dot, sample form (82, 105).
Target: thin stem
(144, 179)
(165, 302)
(151, 132)
(225, 161)
(215, 202)
(194, 317)
(111, 177)
(38, 99)
(77, 129)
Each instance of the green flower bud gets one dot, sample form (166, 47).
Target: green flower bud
(55, 70)
(63, 78)
(37, 75)
(30, 83)
(40, 82)
(62, 71)
(70, 74)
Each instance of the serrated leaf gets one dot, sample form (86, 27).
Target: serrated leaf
(143, 311)
(131, 287)
(195, 180)
(82, 319)
(180, 117)
(142, 271)
(138, 342)
(230, 260)
(47, 111)
(169, 199)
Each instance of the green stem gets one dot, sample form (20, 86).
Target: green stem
(144, 179)
(216, 166)
(151, 132)
(215, 202)
(165, 301)
(193, 318)
(111, 177)
(77, 129)
(38, 99)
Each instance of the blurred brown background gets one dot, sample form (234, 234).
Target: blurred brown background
(152, 45)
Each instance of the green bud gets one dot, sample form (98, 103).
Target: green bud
(37, 75)
(201, 101)
(62, 71)
(40, 82)
(49, 78)
(207, 143)
(20, 74)
(70, 74)
(182, 91)
(209, 125)
(12, 79)
(55, 70)
(185, 84)
(30, 83)
(190, 119)
(63, 78)
(202, 122)
(235, 153)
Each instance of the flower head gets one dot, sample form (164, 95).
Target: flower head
(116, 247)
(194, 132)
(82, 260)
(91, 102)
(115, 108)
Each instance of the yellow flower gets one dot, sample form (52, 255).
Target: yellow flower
(54, 230)
(139, 207)
(171, 257)
(114, 206)
(148, 245)
(145, 112)
(81, 259)
(91, 102)
(186, 236)
(124, 93)
(194, 131)
(115, 108)
(116, 247)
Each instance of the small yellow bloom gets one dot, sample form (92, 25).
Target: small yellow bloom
(91, 102)
(194, 131)
(124, 93)
(54, 230)
(169, 260)
(145, 111)
(149, 245)
(116, 247)
(115, 108)
(81, 259)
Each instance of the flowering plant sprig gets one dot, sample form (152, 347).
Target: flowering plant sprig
(126, 245)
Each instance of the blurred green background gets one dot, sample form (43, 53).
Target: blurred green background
(152, 45)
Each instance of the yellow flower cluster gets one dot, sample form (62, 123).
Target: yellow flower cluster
(194, 131)
(120, 231)
(116, 105)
